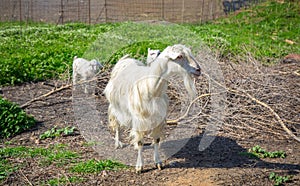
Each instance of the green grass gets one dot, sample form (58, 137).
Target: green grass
(58, 155)
(260, 31)
(94, 166)
(35, 51)
(52, 154)
(40, 51)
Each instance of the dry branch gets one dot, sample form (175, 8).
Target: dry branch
(288, 131)
(275, 114)
(175, 121)
(242, 81)
(25, 177)
(55, 90)
(45, 95)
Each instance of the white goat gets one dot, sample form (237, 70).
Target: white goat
(138, 99)
(84, 70)
(152, 55)
(122, 64)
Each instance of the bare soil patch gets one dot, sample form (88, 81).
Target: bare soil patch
(245, 125)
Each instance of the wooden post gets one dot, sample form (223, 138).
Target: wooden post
(105, 11)
(89, 9)
(78, 9)
(31, 10)
(62, 11)
(202, 8)
(182, 11)
(162, 9)
(212, 10)
(20, 9)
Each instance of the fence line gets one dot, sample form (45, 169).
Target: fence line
(98, 11)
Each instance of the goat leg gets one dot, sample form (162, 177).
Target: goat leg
(157, 160)
(139, 162)
(118, 143)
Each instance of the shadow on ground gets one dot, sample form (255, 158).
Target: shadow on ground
(222, 153)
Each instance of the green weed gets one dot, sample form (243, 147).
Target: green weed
(258, 152)
(279, 180)
(13, 120)
(55, 132)
(6, 168)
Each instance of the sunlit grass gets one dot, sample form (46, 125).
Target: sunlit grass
(95, 166)
(30, 52)
(268, 32)
(57, 155)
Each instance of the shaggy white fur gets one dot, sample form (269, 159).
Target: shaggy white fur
(138, 99)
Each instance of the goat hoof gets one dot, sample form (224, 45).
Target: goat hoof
(118, 145)
(159, 166)
(138, 170)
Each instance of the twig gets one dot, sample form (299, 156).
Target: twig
(175, 121)
(275, 114)
(54, 91)
(26, 179)
(45, 95)
(296, 73)
(264, 105)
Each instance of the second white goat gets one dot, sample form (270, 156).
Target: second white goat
(152, 55)
(85, 70)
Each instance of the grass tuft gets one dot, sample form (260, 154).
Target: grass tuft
(57, 155)
(258, 152)
(95, 166)
(55, 132)
(279, 180)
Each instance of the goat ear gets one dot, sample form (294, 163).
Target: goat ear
(174, 55)
(148, 49)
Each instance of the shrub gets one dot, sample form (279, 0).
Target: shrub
(13, 120)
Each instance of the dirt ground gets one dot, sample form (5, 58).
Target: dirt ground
(219, 164)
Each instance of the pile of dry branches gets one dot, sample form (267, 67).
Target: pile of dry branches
(261, 102)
